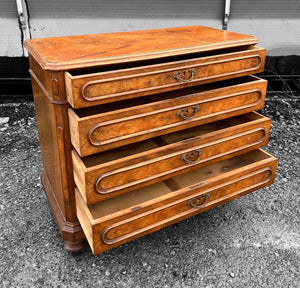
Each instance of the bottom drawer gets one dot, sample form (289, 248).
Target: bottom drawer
(118, 220)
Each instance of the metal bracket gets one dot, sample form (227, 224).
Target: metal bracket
(226, 14)
(24, 22)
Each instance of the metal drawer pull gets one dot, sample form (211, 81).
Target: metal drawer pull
(194, 202)
(186, 157)
(177, 77)
(186, 110)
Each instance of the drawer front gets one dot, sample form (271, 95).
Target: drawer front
(105, 131)
(99, 182)
(98, 88)
(139, 220)
(137, 224)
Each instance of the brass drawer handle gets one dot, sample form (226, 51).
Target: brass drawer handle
(186, 157)
(186, 110)
(195, 202)
(177, 77)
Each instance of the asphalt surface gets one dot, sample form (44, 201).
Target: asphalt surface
(253, 241)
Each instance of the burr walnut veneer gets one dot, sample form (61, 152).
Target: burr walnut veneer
(139, 130)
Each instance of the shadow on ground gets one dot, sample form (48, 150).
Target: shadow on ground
(253, 241)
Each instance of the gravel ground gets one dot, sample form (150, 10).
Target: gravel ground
(253, 241)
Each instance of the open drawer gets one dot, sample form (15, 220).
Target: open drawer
(115, 221)
(96, 86)
(106, 175)
(113, 125)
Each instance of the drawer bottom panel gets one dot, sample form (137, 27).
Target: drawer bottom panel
(118, 220)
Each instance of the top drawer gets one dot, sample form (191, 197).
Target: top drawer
(88, 89)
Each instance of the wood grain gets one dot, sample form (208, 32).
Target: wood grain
(98, 88)
(63, 53)
(53, 127)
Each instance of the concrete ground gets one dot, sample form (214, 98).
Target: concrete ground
(253, 241)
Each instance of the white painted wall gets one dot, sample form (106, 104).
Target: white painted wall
(281, 37)
(87, 17)
(10, 34)
(276, 24)
(49, 27)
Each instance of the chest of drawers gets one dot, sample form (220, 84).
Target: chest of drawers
(139, 130)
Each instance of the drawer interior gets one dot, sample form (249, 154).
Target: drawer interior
(163, 189)
(111, 67)
(184, 135)
(135, 102)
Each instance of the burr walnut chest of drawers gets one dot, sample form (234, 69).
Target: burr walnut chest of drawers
(139, 130)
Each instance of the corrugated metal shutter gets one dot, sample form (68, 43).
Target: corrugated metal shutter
(156, 9)
(265, 9)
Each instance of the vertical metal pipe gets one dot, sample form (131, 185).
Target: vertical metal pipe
(24, 22)
(226, 14)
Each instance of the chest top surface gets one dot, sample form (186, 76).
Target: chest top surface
(71, 52)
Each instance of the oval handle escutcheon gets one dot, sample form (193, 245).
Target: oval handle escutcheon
(177, 74)
(191, 157)
(184, 112)
(197, 202)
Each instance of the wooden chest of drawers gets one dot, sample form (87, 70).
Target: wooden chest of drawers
(139, 130)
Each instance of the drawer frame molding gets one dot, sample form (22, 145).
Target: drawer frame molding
(175, 108)
(180, 154)
(171, 71)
